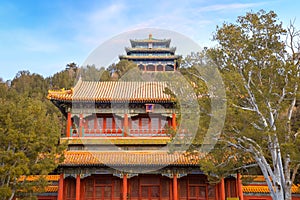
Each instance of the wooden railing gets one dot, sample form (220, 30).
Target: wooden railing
(118, 132)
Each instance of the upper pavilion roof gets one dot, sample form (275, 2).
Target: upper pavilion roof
(137, 42)
(161, 49)
(153, 57)
(113, 91)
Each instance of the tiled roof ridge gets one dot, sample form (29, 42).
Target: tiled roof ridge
(265, 189)
(50, 177)
(114, 91)
(79, 158)
(150, 40)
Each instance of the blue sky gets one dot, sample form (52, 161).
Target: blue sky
(43, 36)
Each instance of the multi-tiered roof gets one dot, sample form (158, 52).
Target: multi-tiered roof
(152, 54)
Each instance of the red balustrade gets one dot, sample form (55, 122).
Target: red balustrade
(118, 132)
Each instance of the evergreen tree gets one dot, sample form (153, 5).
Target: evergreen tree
(261, 76)
(29, 138)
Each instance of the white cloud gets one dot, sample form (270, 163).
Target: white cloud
(111, 12)
(229, 7)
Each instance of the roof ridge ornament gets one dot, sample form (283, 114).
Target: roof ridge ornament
(150, 36)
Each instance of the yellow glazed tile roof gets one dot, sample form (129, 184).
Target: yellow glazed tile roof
(265, 189)
(163, 49)
(113, 91)
(150, 40)
(258, 178)
(36, 177)
(122, 158)
(49, 178)
(52, 188)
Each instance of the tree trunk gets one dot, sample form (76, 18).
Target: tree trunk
(12, 195)
(288, 192)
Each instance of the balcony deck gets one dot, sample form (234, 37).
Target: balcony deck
(118, 133)
(116, 140)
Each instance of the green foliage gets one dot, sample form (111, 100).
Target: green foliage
(223, 161)
(31, 85)
(261, 79)
(91, 73)
(28, 140)
(64, 79)
(30, 128)
(121, 68)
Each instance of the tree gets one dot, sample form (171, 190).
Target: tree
(29, 138)
(31, 85)
(65, 78)
(91, 73)
(261, 73)
(121, 68)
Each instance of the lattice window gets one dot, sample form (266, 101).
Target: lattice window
(160, 68)
(182, 187)
(211, 192)
(144, 123)
(117, 189)
(70, 191)
(230, 185)
(102, 188)
(109, 123)
(155, 123)
(135, 123)
(90, 123)
(100, 123)
(134, 188)
(165, 185)
(89, 188)
(118, 122)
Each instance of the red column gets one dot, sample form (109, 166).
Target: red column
(170, 189)
(222, 189)
(175, 192)
(69, 123)
(61, 187)
(95, 122)
(125, 187)
(140, 123)
(149, 125)
(80, 124)
(78, 187)
(125, 124)
(104, 123)
(174, 121)
(239, 186)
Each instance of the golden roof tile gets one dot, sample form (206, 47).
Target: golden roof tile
(113, 91)
(52, 188)
(265, 189)
(36, 177)
(123, 158)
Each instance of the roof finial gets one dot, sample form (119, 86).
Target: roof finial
(150, 36)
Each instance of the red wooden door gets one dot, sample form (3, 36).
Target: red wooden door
(150, 192)
(197, 192)
(103, 193)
